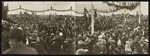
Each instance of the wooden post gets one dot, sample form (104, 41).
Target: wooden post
(124, 4)
(71, 11)
(20, 12)
(92, 18)
(139, 12)
(125, 15)
(51, 10)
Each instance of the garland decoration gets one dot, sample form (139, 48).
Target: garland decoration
(117, 6)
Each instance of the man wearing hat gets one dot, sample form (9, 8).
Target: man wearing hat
(34, 39)
(67, 47)
(17, 43)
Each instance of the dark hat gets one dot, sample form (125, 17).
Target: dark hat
(33, 37)
(17, 33)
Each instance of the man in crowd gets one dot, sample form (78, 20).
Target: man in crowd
(17, 43)
(99, 47)
(67, 47)
(34, 39)
(5, 33)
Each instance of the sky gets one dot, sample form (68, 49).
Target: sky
(77, 6)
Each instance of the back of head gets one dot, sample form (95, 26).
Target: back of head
(18, 34)
(34, 38)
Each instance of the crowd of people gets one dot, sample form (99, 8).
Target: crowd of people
(72, 35)
(124, 38)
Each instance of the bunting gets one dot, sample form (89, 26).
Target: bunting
(78, 12)
(117, 6)
(124, 5)
(14, 9)
(109, 10)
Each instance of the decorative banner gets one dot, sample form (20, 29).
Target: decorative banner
(61, 10)
(117, 6)
(42, 10)
(124, 5)
(77, 12)
(37, 11)
(14, 9)
(109, 10)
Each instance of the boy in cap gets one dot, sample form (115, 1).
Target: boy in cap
(17, 43)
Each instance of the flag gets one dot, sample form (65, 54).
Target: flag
(137, 14)
(86, 13)
(95, 13)
(87, 18)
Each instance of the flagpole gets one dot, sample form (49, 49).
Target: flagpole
(125, 15)
(92, 18)
(75, 38)
(20, 12)
(125, 12)
(139, 12)
(71, 10)
(51, 10)
(75, 34)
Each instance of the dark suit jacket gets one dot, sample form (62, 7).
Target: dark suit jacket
(20, 49)
(38, 47)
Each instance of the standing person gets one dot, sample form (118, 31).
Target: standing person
(128, 49)
(135, 51)
(99, 47)
(66, 49)
(111, 46)
(136, 45)
(37, 46)
(17, 43)
(55, 46)
(90, 42)
(43, 42)
(143, 46)
(120, 49)
(5, 33)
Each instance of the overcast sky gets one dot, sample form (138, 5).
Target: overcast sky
(77, 6)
